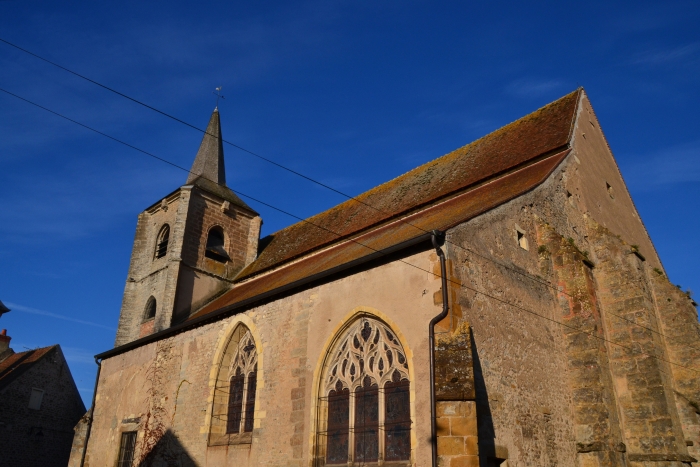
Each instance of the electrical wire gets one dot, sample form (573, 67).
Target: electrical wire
(281, 166)
(505, 302)
(277, 164)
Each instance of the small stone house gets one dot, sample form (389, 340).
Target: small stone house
(39, 406)
(502, 305)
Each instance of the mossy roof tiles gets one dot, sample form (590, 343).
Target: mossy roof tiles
(543, 131)
(438, 195)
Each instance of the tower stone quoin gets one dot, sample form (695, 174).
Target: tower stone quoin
(188, 246)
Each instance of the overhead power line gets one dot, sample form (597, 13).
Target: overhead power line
(306, 177)
(475, 290)
(277, 164)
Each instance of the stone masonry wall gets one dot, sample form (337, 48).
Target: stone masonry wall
(165, 391)
(149, 276)
(597, 433)
(40, 438)
(678, 318)
(639, 361)
(456, 422)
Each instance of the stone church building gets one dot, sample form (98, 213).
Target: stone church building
(502, 305)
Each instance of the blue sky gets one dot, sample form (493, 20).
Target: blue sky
(350, 93)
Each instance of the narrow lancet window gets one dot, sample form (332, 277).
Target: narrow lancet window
(250, 401)
(367, 421)
(397, 420)
(150, 310)
(338, 425)
(162, 242)
(235, 403)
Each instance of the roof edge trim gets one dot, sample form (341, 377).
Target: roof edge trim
(240, 306)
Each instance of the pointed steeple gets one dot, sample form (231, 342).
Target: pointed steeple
(209, 162)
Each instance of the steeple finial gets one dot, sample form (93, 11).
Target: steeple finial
(209, 162)
(218, 96)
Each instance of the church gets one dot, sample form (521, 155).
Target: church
(501, 305)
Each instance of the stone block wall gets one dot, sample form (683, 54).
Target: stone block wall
(184, 279)
(165, 390)
(457, 434)
(241, 230)
(678, 319)
(149, 276)
(40, 438)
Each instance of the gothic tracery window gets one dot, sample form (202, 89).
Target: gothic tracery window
(365, 398)
(233, 415)
(243, 372)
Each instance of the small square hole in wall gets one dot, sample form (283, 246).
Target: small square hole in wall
(610, 190)
(522, 239)
(570, 198)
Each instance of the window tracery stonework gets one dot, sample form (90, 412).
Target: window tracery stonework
(369, 348)
(245, 357)
(364, 406)
(235, 393)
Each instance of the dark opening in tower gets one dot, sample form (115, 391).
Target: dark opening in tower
(215, 245)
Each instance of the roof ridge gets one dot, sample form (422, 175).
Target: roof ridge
(506, 148)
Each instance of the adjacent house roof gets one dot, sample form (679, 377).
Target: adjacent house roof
(437, 195)
(16, 364)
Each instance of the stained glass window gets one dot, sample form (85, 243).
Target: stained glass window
(250, 400)
(367, 422)
(397, 420)
(243, 371)
(367, 397)
(235, 403)
(338, 425)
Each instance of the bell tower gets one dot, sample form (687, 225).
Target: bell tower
(188, 246)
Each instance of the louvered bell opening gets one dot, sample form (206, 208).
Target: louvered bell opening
(162, 248)
(217, 253)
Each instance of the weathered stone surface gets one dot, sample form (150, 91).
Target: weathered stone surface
(454, 372)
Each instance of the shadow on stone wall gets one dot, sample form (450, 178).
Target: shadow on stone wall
(487, 433)
(168, 452)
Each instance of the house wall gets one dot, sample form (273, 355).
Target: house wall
(39, 438)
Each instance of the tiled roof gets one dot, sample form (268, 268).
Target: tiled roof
(440, 216)
(548, 129)
(437, 195)
(16, 364)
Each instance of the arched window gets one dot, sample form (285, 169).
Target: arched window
(233, 416)
(150, 311)
(162, 241)
(215, 245)
(365, 399)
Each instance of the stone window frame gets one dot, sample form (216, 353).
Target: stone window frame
(340, 351)
(162, 242)
(222, 257)
(147, 316)
(128, 445)
(521, 238)
(235, 358)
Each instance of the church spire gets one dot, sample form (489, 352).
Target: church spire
(209, 162)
